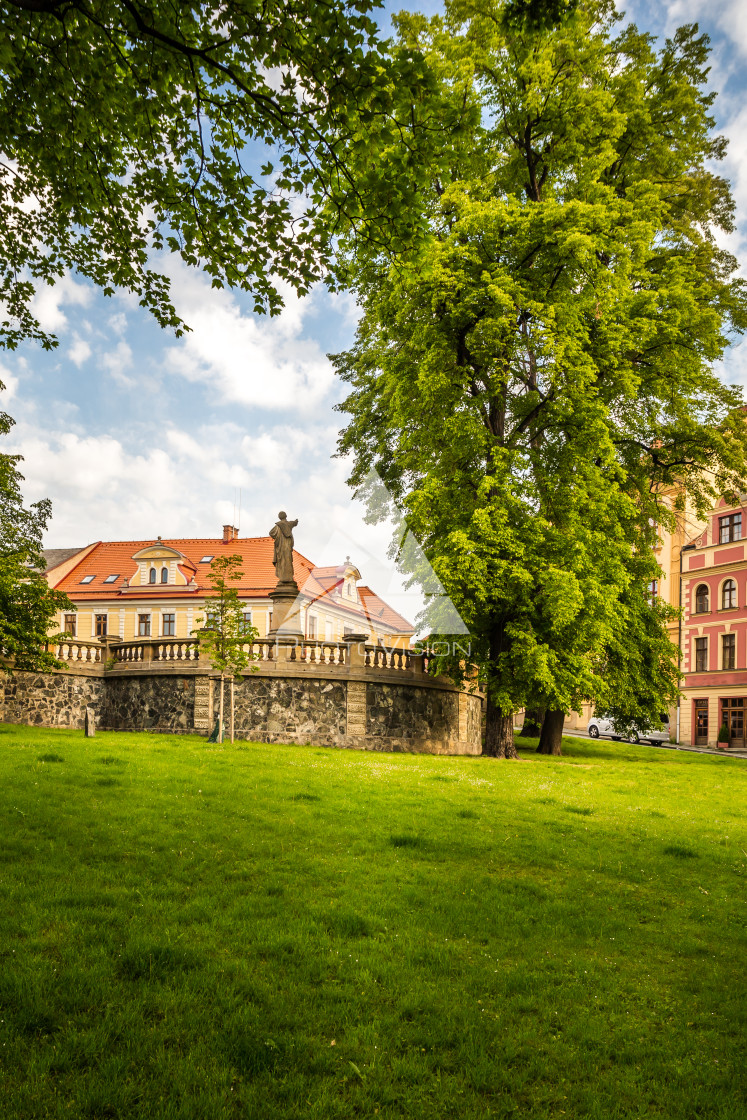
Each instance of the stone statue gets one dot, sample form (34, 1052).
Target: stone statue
(282, 557)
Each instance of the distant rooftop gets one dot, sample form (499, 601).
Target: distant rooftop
(55, 556)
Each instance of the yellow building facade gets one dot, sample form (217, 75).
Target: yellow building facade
(157, 589)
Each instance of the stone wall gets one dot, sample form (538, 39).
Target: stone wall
(276, 707)
(49, 699)
(396, 711)
(295, 710)
(148, 703)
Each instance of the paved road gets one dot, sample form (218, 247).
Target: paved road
(666, 746)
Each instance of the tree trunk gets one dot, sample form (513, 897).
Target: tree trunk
(532, 723)
(552, 732)
(499, 733)
(231, 711)
(220, 710)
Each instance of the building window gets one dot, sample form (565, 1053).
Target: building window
(100, 625)
(164, 575)
(701, 655)
(169, 625)
(71, 625)
(88, 579)
(701, 599)
(211, 620)
(205, 559)
(246, 622)
(729, 595)
(730, 528)
(152, 576)
(112, 579)
(143, 625)
(652, 590)
(311, 626)
(729, 650)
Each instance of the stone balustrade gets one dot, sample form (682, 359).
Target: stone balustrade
(73, 651)
(342, 694)
(114, 655)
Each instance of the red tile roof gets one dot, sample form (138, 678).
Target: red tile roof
(115, 558)
(380, 613)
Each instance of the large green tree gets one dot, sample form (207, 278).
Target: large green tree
(532, 378)
(243, 135)
(27, 604)
(227, 131)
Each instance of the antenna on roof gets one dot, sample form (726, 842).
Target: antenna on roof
(239, 524)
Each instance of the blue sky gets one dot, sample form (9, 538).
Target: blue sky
(133, 433)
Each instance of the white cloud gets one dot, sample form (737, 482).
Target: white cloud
(116, 361)
(730, 16)
(248, 359)
(10, 382)
(189, 487)
(79, 352)
(48, 302)
(118, 323)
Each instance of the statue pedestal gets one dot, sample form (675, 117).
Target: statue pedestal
(286, 612)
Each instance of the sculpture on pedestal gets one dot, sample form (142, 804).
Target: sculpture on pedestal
(286, 598)
(282, 557)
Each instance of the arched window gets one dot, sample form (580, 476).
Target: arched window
(701, 599)
(729, 595)
(152, 576)
(652, 591)
(164, 575)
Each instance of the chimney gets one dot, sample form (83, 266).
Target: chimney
(230, 533)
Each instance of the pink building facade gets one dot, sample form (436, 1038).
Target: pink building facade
(714, 630)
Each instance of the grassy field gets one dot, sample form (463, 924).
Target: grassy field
(259, 931)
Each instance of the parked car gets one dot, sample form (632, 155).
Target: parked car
(599, 727)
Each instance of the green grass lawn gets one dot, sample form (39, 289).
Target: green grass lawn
(264, 931)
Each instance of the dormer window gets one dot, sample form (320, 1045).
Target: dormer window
(88, 579)
(152, 576)
(164, 575)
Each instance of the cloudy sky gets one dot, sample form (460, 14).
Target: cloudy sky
(133, 433)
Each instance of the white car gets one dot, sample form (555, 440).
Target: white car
(598, 728)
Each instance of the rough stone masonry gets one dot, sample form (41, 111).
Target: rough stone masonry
(283, 708)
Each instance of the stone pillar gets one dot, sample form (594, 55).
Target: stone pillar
(356, 644)
(356, 709)
(286, 612)
(201, 720)
(107, 647)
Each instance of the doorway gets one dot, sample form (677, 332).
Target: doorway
(701, 723)
(732, 714)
